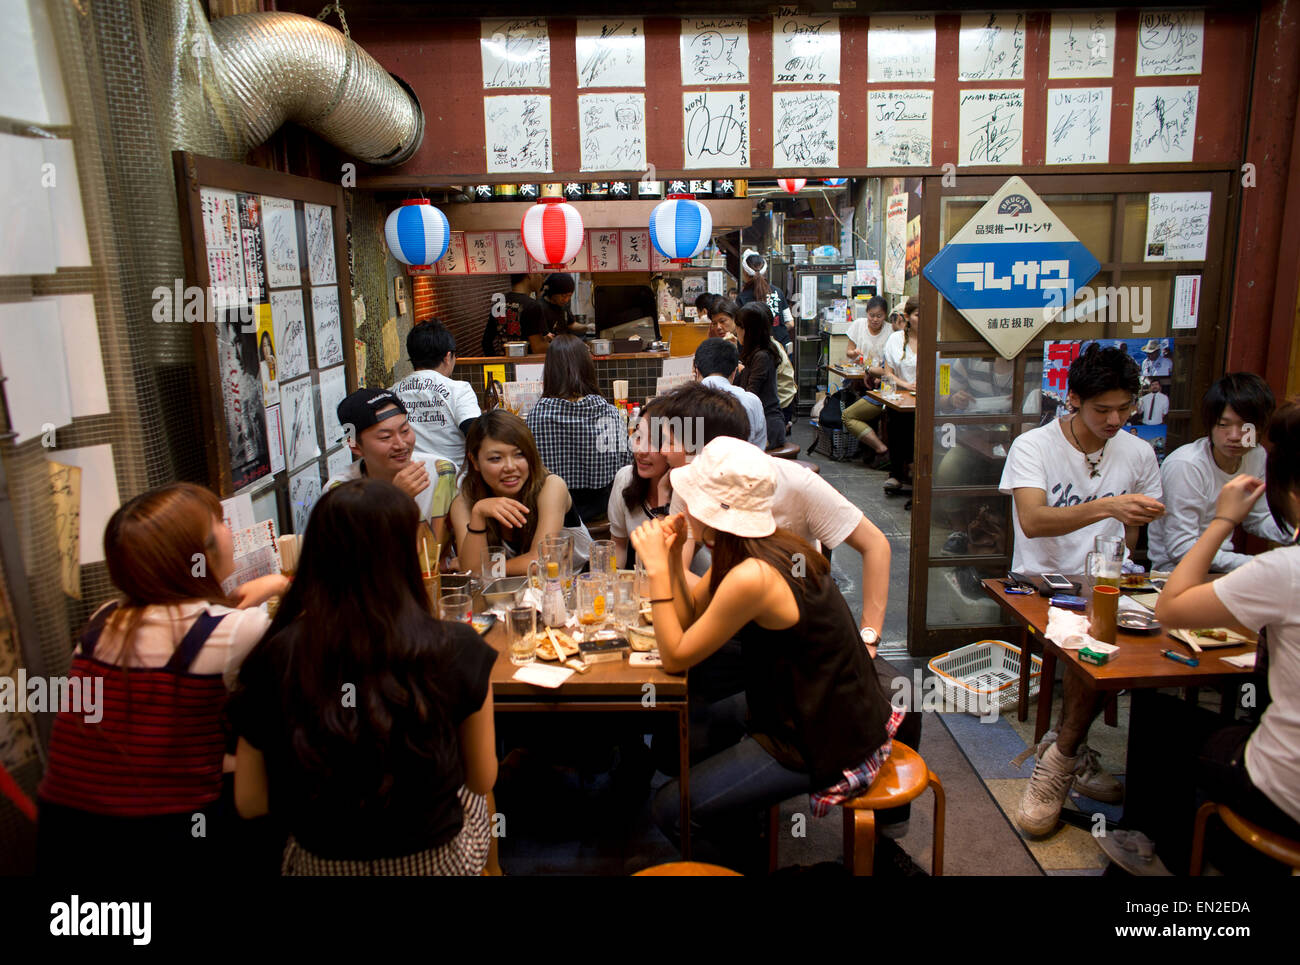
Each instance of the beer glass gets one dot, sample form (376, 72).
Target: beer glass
(592, 602)
(456, 608)
(1104, 564)
(522, 624)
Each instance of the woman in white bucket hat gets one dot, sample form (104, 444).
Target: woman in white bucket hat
(819, 720)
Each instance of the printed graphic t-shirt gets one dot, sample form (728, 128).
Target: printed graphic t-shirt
(523, 317)
(1044, 459)
(436, 406)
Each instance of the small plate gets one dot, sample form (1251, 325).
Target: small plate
(483, 622)
(1137, 622)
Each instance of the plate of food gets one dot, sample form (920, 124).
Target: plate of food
(1199, 640)
(1136, 582)
(555, 644)
(1137, 622)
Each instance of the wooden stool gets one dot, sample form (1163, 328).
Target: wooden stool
(810, 466)
(903, 777)
(687, 869)
(1262, 840)
(788, 451)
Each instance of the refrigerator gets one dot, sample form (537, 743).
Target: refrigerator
(814, 291)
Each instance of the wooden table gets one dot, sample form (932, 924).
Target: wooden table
(851, 375)
(906, 401)
(610, 686)
(1137, 666)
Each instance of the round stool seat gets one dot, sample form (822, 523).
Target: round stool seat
(810, 466)
(903, 777)
(1267, 842)
(687, 869)
(788, 451)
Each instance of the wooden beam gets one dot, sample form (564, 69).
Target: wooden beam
(506, 216)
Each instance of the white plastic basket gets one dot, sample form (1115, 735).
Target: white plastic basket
(982, 675)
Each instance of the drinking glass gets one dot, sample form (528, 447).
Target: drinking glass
(887, 387)
(1105, 563)
(591, 600)
(493, 564)
(642, 582)
(456, 608)
(604, 558)
(522, 623)
(433, 589)
(627, 601)
(554, 561)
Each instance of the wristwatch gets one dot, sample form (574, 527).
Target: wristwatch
(869, 636)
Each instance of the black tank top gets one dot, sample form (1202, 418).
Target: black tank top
(815, 702)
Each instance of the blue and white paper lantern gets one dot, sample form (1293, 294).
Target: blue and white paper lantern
(835, 182)
(680, 228)
(418, 234)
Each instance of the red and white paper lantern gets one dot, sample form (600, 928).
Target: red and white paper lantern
(552, 231)
(792, 185)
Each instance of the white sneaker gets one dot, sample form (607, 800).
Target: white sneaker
(1092, 781)
(1040, 807)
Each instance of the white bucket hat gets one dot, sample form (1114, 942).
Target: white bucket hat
(729, 486)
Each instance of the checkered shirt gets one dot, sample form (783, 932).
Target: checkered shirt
(582, 442)
(859, 779)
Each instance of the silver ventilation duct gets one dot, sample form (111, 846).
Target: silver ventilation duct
(278, 67)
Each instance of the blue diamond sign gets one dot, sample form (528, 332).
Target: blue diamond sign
(1012, 268)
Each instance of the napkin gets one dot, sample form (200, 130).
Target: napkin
(543, 676)
(1244, 660)
(1069, 631)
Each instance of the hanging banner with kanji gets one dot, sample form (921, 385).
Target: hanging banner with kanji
(1012, 268)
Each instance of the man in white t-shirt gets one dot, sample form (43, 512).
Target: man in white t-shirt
(440, 408)
(1235, 408)
(1072, 480)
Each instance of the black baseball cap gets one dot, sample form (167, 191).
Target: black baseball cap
(359, 409)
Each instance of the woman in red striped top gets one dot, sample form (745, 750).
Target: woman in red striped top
(139, 777)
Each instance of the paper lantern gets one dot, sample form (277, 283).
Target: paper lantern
(680, 228)
(835, 182)
(417, 233)
(552, 231)
(793, 185)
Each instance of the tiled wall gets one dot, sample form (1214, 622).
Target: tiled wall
(461, 302)
(640, 374)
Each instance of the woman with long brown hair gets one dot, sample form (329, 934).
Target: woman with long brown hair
(392, 781)
(507, 498)
(130, 774)
(759, 363)
(641, 490)
(819, 719)
(579, 434)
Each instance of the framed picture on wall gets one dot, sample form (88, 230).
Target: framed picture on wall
(271, 249)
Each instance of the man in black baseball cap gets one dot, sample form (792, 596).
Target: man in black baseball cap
(375, 425)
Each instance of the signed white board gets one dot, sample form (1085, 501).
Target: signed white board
(715, 126)
(517, 131)
(806, 129)
(714, 51)
(992, 126)
(1078, 125)
(516, 53)
(899, 127)
(1178, 226)
(1164, 124)
(1082, 44)
(1170, 42)
(611, 53)
(992, 47)
(805, 50)
(900, 49)
(612, 132)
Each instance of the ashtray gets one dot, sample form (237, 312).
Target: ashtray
(1137, 622)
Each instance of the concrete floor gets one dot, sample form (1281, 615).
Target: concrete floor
(575, 820)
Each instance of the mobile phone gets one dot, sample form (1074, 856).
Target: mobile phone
(1057, 582)
(1069, 602)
